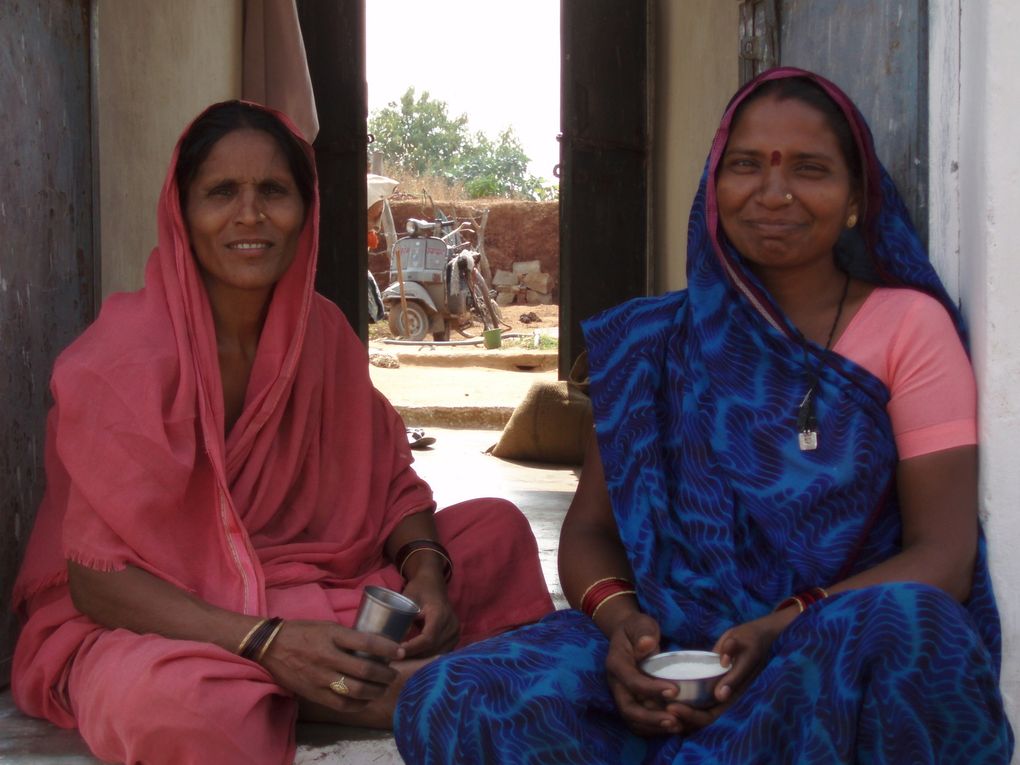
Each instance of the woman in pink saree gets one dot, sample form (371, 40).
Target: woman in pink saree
(224, 481)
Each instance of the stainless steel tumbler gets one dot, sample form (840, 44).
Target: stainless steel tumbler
(385, 612)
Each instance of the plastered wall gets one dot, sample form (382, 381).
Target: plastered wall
(156, 65)
(696, 72)
(989, 277)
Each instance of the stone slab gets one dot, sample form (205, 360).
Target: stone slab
(510, 358)
(537, 282)
(504, 279)
(539, 298)
(526, 267)
(27, 741)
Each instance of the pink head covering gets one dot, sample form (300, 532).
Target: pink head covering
(307, 486)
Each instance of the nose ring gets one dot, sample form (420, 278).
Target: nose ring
(789, 197)
(262, 216)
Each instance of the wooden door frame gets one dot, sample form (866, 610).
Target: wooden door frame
(334, 37)
(605, 234)
(605, 149)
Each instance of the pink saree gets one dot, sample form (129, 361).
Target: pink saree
(286, 515)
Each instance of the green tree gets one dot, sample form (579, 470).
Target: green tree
(498, 168)
(418, 135)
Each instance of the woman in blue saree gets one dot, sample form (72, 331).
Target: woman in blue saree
(785, 473)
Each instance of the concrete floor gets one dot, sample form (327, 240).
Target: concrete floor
(460, 387)
(457, 469)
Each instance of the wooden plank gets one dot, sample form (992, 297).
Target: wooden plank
(604, 170)
(877, 51)
(46, 253)
(334, 35)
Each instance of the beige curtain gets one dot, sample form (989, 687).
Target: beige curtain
(275, 68)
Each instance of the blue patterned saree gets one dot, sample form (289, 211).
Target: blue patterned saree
(722, 515)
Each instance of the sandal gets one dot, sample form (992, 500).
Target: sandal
(417, 439)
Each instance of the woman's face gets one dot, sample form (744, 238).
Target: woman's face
(244, 213)
(778, 150)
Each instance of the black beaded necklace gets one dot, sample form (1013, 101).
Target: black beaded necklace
(807, 423)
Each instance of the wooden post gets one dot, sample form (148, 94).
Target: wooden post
(604, 178)
(334, 35)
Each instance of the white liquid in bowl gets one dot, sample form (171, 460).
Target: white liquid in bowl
(684, 665)
(685, 672)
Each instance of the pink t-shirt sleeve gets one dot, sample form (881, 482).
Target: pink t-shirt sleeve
(907, 339)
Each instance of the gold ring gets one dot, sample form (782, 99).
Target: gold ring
(339, 686)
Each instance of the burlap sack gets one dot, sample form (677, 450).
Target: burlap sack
(552, 423)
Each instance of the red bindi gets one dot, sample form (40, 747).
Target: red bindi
(777, 159)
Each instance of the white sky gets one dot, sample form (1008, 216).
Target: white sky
(497, 62)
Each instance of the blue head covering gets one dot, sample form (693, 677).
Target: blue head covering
(696, 396)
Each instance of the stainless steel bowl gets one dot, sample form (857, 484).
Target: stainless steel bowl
(695, 673)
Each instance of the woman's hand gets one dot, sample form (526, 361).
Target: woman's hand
(640, 698)
(307, 656)
(440, 628)
(426, 585)
(745, 650)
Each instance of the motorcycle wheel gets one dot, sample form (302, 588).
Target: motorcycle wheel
(414, 327)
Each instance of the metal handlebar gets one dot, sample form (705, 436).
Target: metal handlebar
(464, 226)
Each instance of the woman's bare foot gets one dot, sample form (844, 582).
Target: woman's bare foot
(377, 713)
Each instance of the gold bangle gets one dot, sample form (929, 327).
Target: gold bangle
(246, 638)
(595, 584)
(608, 598)
(793, 600)
(270, 639)
(403, 563)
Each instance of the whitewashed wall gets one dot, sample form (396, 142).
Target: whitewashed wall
(156, 65)
(989, 278)
(696, 72)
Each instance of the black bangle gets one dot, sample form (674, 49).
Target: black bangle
(254, 643)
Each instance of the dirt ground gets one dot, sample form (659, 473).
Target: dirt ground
(465, 385)
(549, 318)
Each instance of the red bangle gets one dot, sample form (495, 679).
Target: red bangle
(804, 600)
(601, 591)
(419, 545)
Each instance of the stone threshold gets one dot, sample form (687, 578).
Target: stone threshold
(27, 741)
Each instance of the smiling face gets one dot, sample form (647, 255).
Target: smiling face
(780, 149)
(244, 214)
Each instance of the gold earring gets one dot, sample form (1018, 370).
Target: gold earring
(852, 220)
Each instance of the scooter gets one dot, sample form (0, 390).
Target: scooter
(435, 283)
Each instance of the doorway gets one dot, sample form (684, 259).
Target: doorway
(604, 169)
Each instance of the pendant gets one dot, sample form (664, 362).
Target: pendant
(808, 440)
(807, 425)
